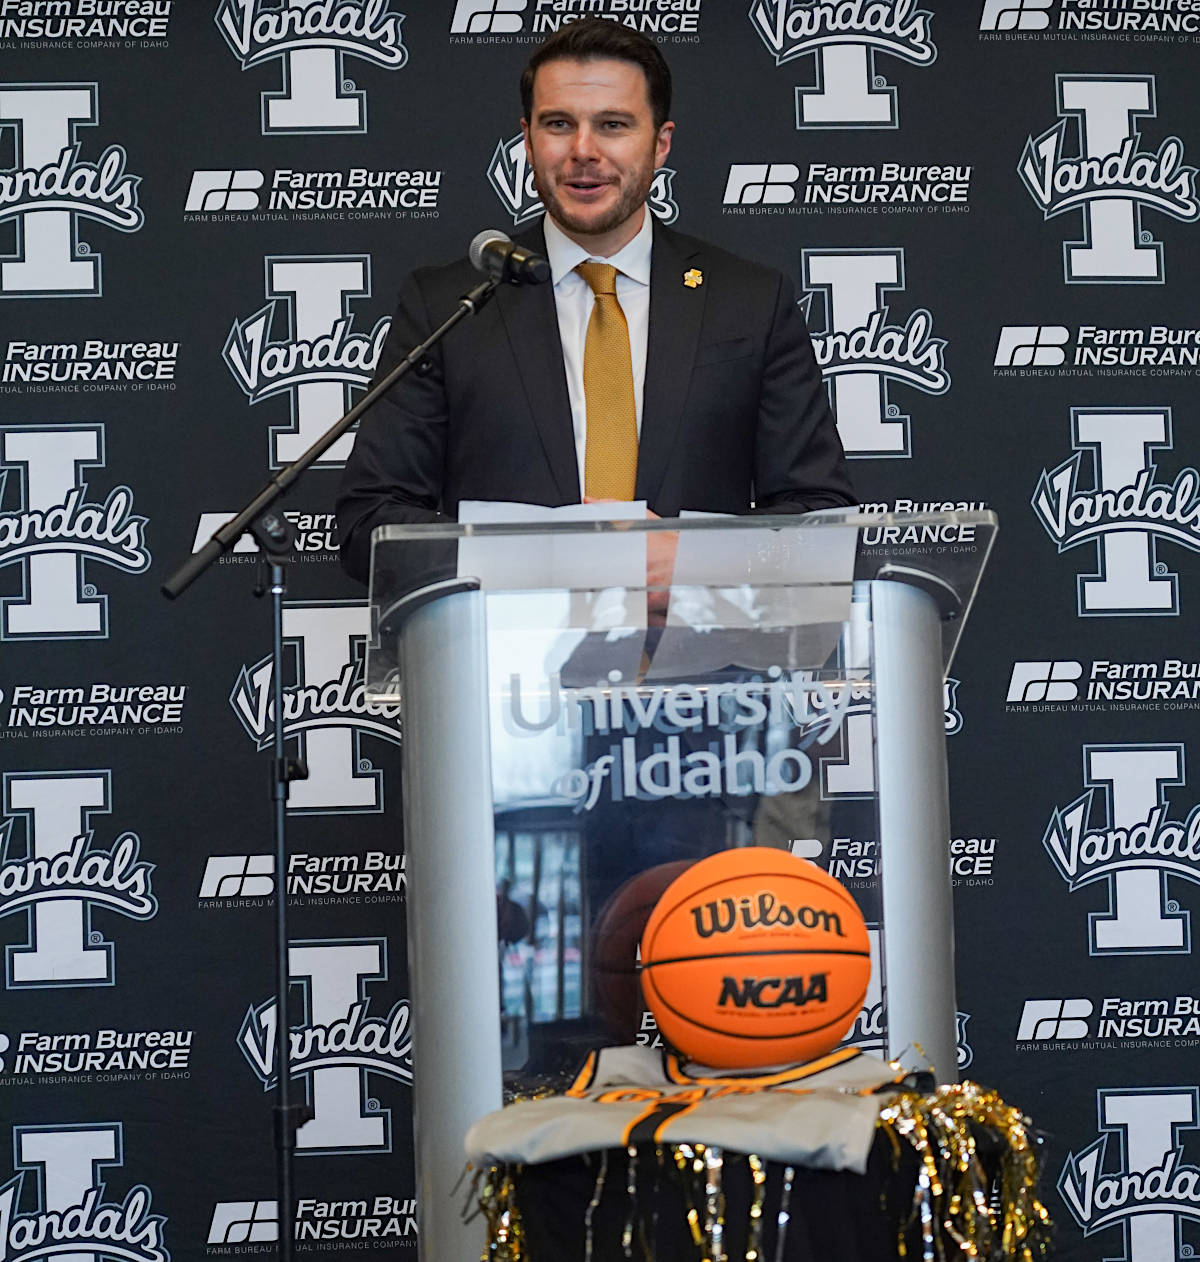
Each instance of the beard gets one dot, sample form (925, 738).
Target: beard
(634, 193)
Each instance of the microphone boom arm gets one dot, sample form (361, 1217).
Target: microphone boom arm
(223, 540)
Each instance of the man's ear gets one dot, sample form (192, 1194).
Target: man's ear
(525, 133)
(662, 145)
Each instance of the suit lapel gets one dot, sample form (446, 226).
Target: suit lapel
(531, 322)
(675, 317)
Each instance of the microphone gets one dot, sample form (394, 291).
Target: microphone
(495, 255)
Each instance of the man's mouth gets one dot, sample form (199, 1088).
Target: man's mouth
(586, 184)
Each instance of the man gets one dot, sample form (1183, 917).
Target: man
(701, 391)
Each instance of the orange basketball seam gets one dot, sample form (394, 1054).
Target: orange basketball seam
(646, 966)
(788, 1037)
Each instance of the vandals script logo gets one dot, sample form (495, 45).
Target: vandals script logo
(66, 1214)
(1124, 513)
(58, 876)
(1110, 180)
(338, 1046)
(511, 176)
(319, 360)
(1128, 838)
(860, 352)
(326, 709)
(50, 528)
(313, 37)
(50, 188)
(1151, 1187)
(845, 35)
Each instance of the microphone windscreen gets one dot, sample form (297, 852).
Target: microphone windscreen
(480, 242)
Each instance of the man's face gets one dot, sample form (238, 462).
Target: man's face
(594, 148)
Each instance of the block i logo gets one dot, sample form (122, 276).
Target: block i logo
(1120, 831)
(316, 358)
(861, 354)
(51, 187)
(1126, 511)
(52, 531)
(1109, 178)
(54, 874)
(325, 709)
(312, 40)
(844, 40)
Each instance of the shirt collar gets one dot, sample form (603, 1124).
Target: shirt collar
(632, 259)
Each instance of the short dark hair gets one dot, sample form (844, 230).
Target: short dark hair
(592, 38)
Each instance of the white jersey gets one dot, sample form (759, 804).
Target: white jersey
(821, 1114)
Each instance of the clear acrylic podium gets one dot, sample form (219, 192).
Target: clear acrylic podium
(574, 737)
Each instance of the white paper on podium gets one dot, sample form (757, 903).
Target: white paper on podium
(563, 588)
(732, 586)
(612, 559)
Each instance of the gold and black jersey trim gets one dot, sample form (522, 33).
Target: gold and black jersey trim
(673, 1068)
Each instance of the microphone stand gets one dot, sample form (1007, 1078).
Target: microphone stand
(275, 537)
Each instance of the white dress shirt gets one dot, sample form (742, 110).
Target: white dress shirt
(573, 299)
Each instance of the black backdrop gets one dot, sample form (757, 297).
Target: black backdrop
(205, 211)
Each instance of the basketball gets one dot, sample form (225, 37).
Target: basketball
(755, 957)
(616, 996)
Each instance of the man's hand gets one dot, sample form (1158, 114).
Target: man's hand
(661, 546)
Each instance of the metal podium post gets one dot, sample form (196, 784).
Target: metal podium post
(452, 917)
(914, 828)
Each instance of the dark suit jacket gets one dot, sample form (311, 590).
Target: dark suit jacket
(734, 415)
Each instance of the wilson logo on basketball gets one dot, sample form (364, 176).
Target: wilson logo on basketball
(773, 992)
(762, 911)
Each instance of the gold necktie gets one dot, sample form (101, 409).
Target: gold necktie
(610, 450)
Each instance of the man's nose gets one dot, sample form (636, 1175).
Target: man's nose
(585, 145)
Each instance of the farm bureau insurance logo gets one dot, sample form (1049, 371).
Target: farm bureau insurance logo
(860, 353)
(504, 21)
(312, 38)
(1110, 180)
(769, 188)
(1165, 1022)
(1149, 1187)
(1040, 687)
(325, 709)
(87, 24)
(511, 178)
(51, 530)
(844, 36)
(316, 537)
(89, 364)
(66, 1214)
(1054, 350)
(339, 1045)
(1124, 513)
(230, 194)
(245, 880)
(377, 1217)
(50, 188)
(1120, 830)
(98, 707)
(60, 876)
(317, 359)
(1029, 19)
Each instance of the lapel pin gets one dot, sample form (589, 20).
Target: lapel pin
(693, 278)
